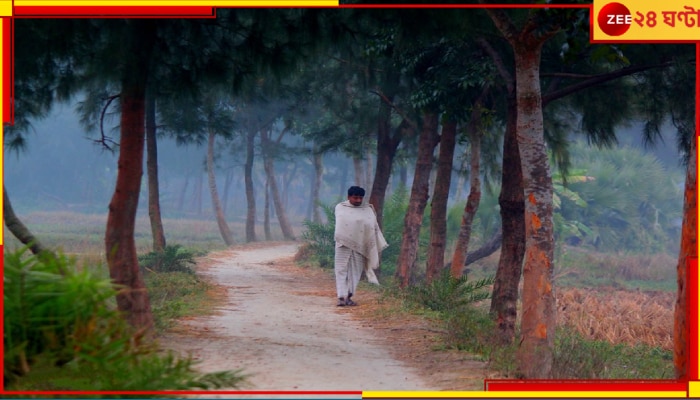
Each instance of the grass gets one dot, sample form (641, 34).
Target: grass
(83, 234)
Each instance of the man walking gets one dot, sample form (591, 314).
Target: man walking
(358, 243)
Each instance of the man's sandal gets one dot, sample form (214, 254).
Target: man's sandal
(349, 302)
(341, 302)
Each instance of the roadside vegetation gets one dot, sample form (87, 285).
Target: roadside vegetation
(614, 301)
(615, 280)
(63, 332)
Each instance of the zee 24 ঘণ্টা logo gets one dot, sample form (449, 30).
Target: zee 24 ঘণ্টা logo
(671, 19)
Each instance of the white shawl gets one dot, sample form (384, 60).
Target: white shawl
(357, 228)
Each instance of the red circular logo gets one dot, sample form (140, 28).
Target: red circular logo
(614, 19)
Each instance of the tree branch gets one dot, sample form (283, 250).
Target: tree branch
(599, 79)
(392, 105)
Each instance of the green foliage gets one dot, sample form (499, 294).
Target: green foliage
(62, 333)
(393, 223)
(447, 293)
(174, 258)
(627, 200)
(48, 308)
(471, 329)
(580, 358)
(319, 238)
(175, 295)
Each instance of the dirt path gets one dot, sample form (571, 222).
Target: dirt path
(279, 323)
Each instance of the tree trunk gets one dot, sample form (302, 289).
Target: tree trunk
(539, 312)
(249, 189)
(316, 189)
(17, 228)
(266, 218)
(418, 200)
(688, 250)
(359, 173)
(197, 194)
(216, 204)
(504, 298)
(287, 231)
(387, 144)
(157, 231)
(228, 181)
(120, 247)
(181, 199)
(474, 198)
(438, 207)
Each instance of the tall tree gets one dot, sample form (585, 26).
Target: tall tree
(475, 131)
(139, 38)
(216, 202)
(538, 324)
(688, 250)
(154, 212)
(249, 188)
(438, 205)
(269, 148)
(418, 199)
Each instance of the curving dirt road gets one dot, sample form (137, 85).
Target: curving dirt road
(279, 323)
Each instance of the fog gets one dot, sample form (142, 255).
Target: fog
(62, 168)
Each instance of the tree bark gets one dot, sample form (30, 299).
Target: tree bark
(17, 228)
(438, 208)
(316, 189)
(287, 231)
(157, 231)
(539, 313)
(266, 217)
(504, 298)
(359, 173)
(216, 203)
(418, 200)
(474, 198)
(249, 189)
(387, 144)
(120, 247)
(535, 353)
(688, 250)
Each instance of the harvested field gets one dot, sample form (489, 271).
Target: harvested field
(618, 316)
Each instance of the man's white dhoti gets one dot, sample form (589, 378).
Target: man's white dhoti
(349, 265)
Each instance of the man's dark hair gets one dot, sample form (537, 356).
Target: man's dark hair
(356, 191)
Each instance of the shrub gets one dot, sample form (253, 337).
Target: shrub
(320, 238)
(61, 333)
(174, 258)
(581, 358)
(447, 293)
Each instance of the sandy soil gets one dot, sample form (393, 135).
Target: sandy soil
(278, 322)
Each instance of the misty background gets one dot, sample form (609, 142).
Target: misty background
(62, 168)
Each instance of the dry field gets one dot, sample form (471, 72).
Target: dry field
(619, 316)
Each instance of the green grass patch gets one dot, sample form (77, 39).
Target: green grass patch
(175, 295)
